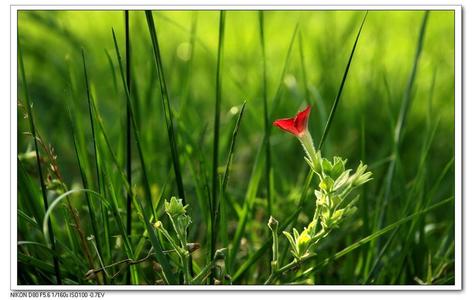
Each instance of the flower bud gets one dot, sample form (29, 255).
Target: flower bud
(158, 224)
(192, 247)
(175, 208)
(220, 254)
(273, 223)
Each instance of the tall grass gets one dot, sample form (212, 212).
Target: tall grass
(148, 105)
(57, 269)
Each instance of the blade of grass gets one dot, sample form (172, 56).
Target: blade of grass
(41, 265)
(52, 239)
(128, 134)
(28, 219)
(60, 198)
(128, 121)
(247, 207)
(341, 87)
(216, 140)
(31, 202)
(167, 112)
(407, 99)
(147, 187)
(278, 93)
(91, 209)
(92, 125)
(112, 68)
(224, 182)
(166, 105)
(121, 227)
(267, 125)
(306, 91)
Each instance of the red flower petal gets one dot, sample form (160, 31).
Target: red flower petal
(301, 120)
(296, 125)
(287, 125)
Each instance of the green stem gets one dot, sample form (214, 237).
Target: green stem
(307, 143)
(274, 225)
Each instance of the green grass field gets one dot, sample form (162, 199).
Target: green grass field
(118, 112)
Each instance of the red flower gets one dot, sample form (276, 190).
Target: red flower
(296, 125)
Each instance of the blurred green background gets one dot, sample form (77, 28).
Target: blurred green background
(362, 129)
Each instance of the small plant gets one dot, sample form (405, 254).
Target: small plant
(180, 220)
(334, 202)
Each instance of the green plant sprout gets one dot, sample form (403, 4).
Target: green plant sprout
(180, 220)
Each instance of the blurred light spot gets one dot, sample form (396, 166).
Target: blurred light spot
(189, 149)
(234, 110)
(290, 81)
(184, 51)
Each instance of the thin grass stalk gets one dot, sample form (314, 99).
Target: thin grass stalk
(232, 147)
(122, 229)
(224, 182)
(168, 114)
(147, 187)
(93, 218)
(128, 134)
(267, 126)
(166, 105)
(216, 138)
(407, 99)
(128, 123)
(57, 270)
(278, 93)
(110, 150)
(306, 91)
(249, 199)
(92, 125)
(97, 165)
(30, 204)
(341, 87)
